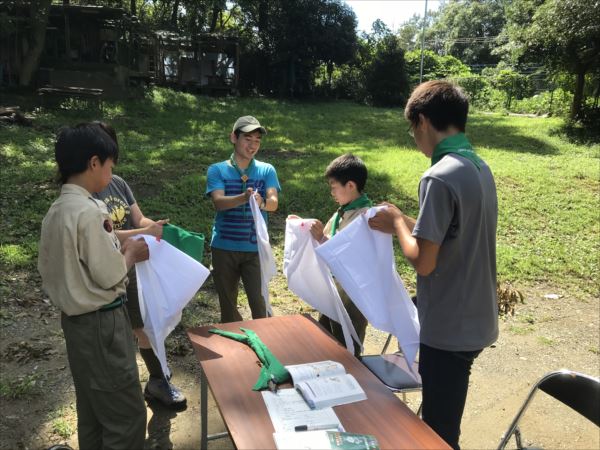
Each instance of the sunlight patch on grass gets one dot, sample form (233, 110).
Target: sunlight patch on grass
(14, 255)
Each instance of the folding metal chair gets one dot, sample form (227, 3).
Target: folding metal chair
(576, 390)
(393, 371)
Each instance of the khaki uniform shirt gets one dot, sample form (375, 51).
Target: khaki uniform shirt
(347, 217)
(80, 261)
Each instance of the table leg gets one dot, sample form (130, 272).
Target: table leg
(203, 411)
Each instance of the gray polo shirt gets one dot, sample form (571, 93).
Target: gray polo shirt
(457, 302)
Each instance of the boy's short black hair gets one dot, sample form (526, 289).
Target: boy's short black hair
(75, 146)
(108, 129)
(348, 168)
(442, 102)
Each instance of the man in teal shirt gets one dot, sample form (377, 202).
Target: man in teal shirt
(230, 184)
(452, 246)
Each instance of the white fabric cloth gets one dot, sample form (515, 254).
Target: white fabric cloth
(166, 282)
(268, 269)
(309, 277)
(362, 261)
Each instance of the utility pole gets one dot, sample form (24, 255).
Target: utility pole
(423, 42)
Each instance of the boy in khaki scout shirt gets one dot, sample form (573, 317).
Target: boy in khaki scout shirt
(347, 176)
(83, 271)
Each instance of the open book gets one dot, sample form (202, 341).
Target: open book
(325, 383)
(320, 440)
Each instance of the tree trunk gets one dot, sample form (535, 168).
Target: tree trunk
(214, 17)
(578, 94)
(174, 15)
(133, 8)
(38, 14)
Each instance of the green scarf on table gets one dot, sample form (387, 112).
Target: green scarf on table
(458, 144)
(271, 368)
(361, 202)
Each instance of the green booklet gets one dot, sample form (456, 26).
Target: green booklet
(324, 439)
(352, 441)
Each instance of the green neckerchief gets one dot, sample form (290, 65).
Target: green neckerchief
(271, 368)
(458, 144)
(243, 175)
(360, 202)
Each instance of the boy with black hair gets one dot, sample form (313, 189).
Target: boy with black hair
(84, 272)
(347, 176)
(129, 220)
(230, 184)
(452, 246)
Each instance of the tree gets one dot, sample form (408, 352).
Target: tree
(338, 42)
(564, 34)
(34, 40)
(287, 39)
(467, 30)
(386, 78)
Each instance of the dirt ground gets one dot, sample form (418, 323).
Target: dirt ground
(545, 334)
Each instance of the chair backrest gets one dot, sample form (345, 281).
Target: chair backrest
(578, 391)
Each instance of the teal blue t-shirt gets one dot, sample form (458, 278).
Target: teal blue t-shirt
(233, 229)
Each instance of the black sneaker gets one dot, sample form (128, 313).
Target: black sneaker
(166, 393)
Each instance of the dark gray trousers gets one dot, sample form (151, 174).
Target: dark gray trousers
(111, 412)
(228, 268)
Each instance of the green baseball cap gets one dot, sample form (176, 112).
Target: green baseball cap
(246, 124)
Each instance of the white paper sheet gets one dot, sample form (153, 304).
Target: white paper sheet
(362, 261)
(288, 409)
(166, 282)
(309, 277)
(268, 269)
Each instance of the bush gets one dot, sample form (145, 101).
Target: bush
(435, 67)
(347, 82)
(554, 104)
(476, 87)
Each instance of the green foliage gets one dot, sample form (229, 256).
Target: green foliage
(435, 67)
(467, 30)
(555, 103)
(63, 421)
(286, 40)
(386, 79)
(476, 87)
(20, 387)
(564, 34)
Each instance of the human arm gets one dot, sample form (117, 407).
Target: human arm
(134, 251)
(142, 225)
(270, 202)
(223, 202)
(421, 253)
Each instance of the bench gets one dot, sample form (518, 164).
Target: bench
(87, 94)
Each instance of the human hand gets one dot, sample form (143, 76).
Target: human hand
(316, 230)
(386, 219)
(156, 228)
(259, 200)
(135, 250)
(248, 193)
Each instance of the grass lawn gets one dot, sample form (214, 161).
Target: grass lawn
(548, 188)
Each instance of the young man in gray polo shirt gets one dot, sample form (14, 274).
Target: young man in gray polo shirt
(452, 246)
